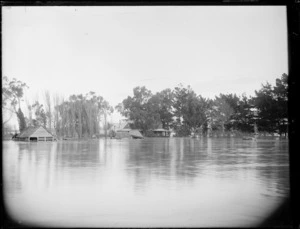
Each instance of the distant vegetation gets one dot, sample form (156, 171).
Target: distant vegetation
(77, 117)
(180, 109)
(80, 116)
(188, 113)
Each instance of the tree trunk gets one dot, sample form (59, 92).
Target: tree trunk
(105, 124)
(223, 128)
(79, 123)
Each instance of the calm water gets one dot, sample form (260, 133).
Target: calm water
(153, 182)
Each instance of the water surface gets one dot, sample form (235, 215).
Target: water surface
(153, 182)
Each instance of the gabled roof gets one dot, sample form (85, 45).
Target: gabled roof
(136, 133)
(125, 126)
(29, 131)
(47, 130)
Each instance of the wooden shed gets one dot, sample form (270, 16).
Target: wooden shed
(39, 133)
(161, 132)
(136, 134)
(126, 132)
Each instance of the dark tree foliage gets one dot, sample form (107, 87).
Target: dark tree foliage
(80, 116)
(40, 115)
(182, 110)
(223, 108)
(271, 103)
(21, 118)
(194, 116)
(163, 104)
(12, 94)
(244, 116)
(141, 110)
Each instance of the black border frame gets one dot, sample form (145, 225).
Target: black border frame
(287, 215)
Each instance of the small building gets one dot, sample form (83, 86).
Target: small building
(136, 134)
(124, 128)
(161, 132)
(126, 132)
(38, 133)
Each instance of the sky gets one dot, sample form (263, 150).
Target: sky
(112, 49)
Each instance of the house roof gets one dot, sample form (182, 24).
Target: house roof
(125, 126)
(48, 130)
(161, 130)
(136, 133)
(29, 131)
(123, 130)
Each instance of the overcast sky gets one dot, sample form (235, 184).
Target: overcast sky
(111, 50)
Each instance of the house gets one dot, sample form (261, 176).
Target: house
(124, 131)
(136, 134)
(124, 127)
(160, 132)
(38, 133)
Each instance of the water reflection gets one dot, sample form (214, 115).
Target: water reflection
(172, 181)
(166, 159)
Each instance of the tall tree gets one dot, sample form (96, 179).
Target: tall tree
(162, 103)
(190, 111)
(12, 94)
(228, 108)
(80, 115)
(180, 98)
(194, 115)
(29, 110)
(271, 103)
(40, 115)
(138, 109)
(106, 110)
(244, 117)
(281, 97)
(56, 101)
(48, 108)
(21, 118)
(221, 111)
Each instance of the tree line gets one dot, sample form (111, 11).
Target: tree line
(79, 116)
(180, 109)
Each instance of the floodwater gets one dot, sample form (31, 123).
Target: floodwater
(153, 182)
